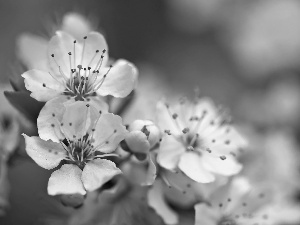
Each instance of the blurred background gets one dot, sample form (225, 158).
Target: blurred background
(243, 54)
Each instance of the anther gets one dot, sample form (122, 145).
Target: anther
(220, 205)
(70, 124)
(168, 132)
(208, 150)
(223, 157)
(52, 125)
(69, 53)
(74, 41)
(115, 131)
(185, 130)
(53, 114)
(104, 50)
(97, 51)
(44, 85)
(227, 142)
(52, 55)
(175, 115)
(87, 105)
(85, 37)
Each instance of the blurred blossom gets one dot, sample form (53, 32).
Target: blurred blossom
(278, 104)
(82, 141)
(194, 15)
(264, 36)
(272, 160)
(198, 140)
(237, 203)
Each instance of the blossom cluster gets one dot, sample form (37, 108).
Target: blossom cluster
(187, 158)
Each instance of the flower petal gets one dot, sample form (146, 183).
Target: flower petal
(63, 43)
(76, 125)
(50, 117)
(98, 102)
(157, 201)
(206, 215)
(151, 172)
(227, 167)
(32, 51)
(94, 42)
(97, 172)
(109, 132)
(66, 180)
(192, 165)
(170, 152)
(46, 154)
(76, 25)
(59, 46)
(42, 85)
(166, 121)
(120, 80)
(137, 142)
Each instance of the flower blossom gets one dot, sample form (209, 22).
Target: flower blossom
(143, 135)
(78, 71)
(84, 139)
(198, 140)
(235, 203)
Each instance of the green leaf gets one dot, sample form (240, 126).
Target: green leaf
(25, 104)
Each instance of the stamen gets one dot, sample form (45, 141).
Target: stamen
(74, 51)
(82, 54)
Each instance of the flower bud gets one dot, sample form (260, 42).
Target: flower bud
(143, 135)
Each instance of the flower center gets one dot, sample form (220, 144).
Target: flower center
(83, 81)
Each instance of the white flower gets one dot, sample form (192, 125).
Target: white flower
(199, 141)
(85, 137)
(78, 72)
(236, 203)
(143, 135)
(32, 49)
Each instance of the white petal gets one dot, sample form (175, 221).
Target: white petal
(60, 45)
(32, 51)
(137, 142)
(46, 154)
(226, 167)
(63, 43)
(77, 119)
(165, 120)
(42, 85)
(50, 117)
(66, 180)
(206, 215)
(151, 172)
(94, 41)
(109, 132)
(192, 165)
(97, 172)
(76, 25)
(169, 152)
(157, 201)
(98, 102)
(120, 81)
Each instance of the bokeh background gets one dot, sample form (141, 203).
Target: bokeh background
(243, 54)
